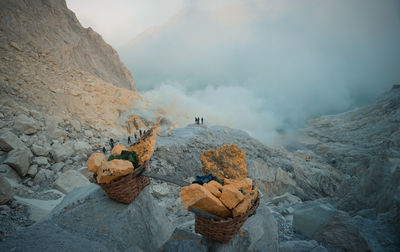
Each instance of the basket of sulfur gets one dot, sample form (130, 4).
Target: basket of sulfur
(119, 174)
(226, 205)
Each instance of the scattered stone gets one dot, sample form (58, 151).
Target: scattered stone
(39, 208)
(25, 124)
(41, 161)
(85, 172)
(69, 181)
(75, 124)
(57, 167)
(40, 150)
(10, 173)
(61, 152)
(82, 147)
(19, 160)
(43, 176)
(33, 169)
(160, 190)
(15, 46)
(6, 191)
(88, 133)
(228, 161)
(9, 141)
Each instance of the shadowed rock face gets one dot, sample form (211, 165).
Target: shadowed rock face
(365, 145)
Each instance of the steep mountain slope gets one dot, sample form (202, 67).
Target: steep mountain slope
(50, 63)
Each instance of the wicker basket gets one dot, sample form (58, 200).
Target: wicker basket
(128, 187)
(222, 230)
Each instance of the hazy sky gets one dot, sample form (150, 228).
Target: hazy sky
(257, 65)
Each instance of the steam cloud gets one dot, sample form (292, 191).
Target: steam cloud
(268, 65)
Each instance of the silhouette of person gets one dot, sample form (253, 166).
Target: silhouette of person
(202, 120)
(135, 137)
(140, 132)
(104, 150)
(112, 143)
(129, 139)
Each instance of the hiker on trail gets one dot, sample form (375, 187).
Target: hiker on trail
(195, 120)
(144, 132)
(140, 133)
(202, 120)
(112, 143)
(135, 137)
(129, 139)
(104, 150)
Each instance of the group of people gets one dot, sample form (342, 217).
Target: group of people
(111, 141)
(197, 120)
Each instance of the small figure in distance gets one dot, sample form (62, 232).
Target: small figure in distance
(195, 120)
(135, 137)
(129, 139)
(104, 150)
(202, 120)
(112, 143)
(140, 133)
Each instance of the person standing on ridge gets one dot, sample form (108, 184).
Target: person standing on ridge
(112, 143)
(135, 137)
(129, 139)
(140, 133)
(104, 150)
(202, 120)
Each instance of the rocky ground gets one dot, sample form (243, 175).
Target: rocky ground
(302, 190)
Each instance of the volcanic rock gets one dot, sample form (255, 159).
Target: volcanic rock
(213, 189)
(69, 181)
(19, 159)
(9, 141)
(25, 124)
(6, 191)
(94, 161)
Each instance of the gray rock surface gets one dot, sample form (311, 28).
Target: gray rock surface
(301, 246)
(25, 124)
(19, 160)
(9, 141)
(40, 150)
(61, 152)
(6, 191)
(87, 220)
(10, 173)
(324, 223)
(70, 180)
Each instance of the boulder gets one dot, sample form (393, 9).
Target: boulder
(81, 147)
(285, 199)
(43, 176)
(70, 180)
(19, 160)
(160, 190)
(94, 161)
(231, 196)
(41, 161)
(197, 196)
(6, 191)
(323, 223)
(40, 150)
(118, 149)
(25, 124)
(301, 246)
(87, 220)
(182, 241)
(62, 152)
(33, 169)
(228, 161)
(57, 167)
(146, 145)
(9, 141)
(8, 172)
(85, 172)
(111, 170)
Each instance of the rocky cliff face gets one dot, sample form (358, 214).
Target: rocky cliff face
(51, 64)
